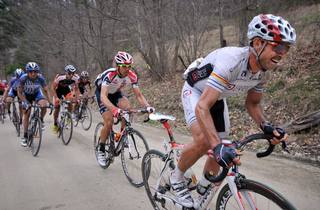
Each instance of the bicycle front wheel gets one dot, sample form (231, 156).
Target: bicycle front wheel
(16, 122)
(108, 145)
(36, 137)
(67, 128)
(134, 146)
(156, 180)
(254, 195)
(86, 117)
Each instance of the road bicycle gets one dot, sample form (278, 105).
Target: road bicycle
(2, 110)
(238, 193)
(65, 125)
(35, 128)
(15, 117)
(131, 145)
(83, 114)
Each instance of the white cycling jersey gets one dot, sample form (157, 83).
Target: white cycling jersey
(227, 71)
(111, 78)
(231, 73)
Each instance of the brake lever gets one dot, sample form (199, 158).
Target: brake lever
(284, 144)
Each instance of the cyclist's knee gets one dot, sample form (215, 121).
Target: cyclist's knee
(202, 144)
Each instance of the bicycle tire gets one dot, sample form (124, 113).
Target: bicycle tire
(67, 128)
(36, 137)
(152, 167)
(96, 144)
(2, 113)
(130, 163)
(86, 121)
(263, 196)
(16, 121)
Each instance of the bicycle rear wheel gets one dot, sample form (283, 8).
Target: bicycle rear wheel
(67, 128)
(36, 137)
(154, 173)
(254, 195)
(2, 113)
(86, 117)
(134, 146)
(96, 144)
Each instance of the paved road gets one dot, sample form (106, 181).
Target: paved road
(68, 177)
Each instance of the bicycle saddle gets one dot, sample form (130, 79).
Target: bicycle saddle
(159, 116)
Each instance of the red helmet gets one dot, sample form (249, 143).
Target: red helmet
(85, 74)
(123, 58)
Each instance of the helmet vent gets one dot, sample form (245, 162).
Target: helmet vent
(264, 31)
(282, 36)
(280, 21)
(258, 26)
(271, 34)
(270, 27)
(280, 28)
(287, 31)
(265, 22)
(273, 20)
(288, 25)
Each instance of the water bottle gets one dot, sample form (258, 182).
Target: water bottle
(203, 184)
(116, 139)
(191, 179)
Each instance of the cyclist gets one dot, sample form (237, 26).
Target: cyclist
(83, 81)
(5, 82)
(2, 90)
(111, 100)
(223, 73)
(60, 87)
(12, 92)
(29, 91)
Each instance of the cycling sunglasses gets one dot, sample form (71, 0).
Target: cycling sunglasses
(125, 65)
(278, 47)
(70, 73)
(30, 71)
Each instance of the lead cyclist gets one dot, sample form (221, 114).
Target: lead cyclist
(224, 73)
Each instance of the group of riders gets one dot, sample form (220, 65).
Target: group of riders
(26, 86)
(209, 81)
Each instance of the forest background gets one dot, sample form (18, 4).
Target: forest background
(164, 37)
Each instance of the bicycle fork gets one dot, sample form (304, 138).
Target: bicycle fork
(233, 181)
(129, 145)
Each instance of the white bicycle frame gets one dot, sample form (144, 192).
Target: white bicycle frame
(202, 202)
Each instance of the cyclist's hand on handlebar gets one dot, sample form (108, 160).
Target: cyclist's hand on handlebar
(57, 100)
(280, 134)
(225, 155)
(25, 105)
(51, 105)
(116, 112)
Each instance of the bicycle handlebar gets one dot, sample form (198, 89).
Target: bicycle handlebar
(241, 143)
(129, 112)
(39, 106)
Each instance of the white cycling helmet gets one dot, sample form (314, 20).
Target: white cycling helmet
(271, 28)
(70, 68)
(123, 58)
(18, 73)
(32, 66)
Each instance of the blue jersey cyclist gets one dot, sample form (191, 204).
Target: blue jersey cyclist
(29, 90)
(111, 100)
(12, 92)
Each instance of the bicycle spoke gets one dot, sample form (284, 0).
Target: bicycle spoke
(133, 149)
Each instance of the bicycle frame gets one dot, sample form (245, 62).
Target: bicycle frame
(232, 175)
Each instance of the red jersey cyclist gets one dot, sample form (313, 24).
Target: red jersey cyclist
(60, 87)
(111, 100)
(82, 83)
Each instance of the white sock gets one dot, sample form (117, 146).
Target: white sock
(177, 175)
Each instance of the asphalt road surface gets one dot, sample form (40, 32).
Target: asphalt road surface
(69, 177)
